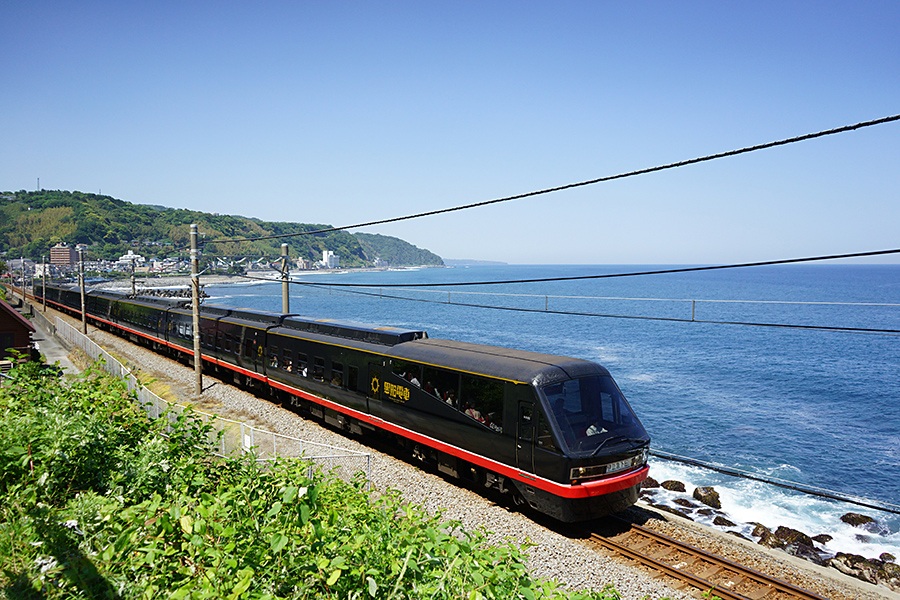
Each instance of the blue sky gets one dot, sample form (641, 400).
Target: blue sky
(345, 112)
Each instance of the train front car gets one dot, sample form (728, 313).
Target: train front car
(589, 437)
(494, 409)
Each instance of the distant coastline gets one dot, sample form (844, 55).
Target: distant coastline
(469, 262)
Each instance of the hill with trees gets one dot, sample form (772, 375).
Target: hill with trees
(32, 222)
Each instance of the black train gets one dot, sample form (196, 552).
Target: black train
(551, 431)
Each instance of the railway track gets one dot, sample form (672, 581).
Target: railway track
(694, 569)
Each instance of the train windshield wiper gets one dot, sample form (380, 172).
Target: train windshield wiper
(616, 438)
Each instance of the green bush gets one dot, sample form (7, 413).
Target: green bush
(102, 502)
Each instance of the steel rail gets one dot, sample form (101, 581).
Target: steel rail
(766, 585)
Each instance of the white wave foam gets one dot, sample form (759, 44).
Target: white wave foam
(745, 502)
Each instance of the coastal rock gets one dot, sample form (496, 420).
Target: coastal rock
(796, 543)
(792, 536)
(855, 566)
(857, 519)
(822, 538)
(708, 496)
(649, 483)
(889, 575)
(685, 503)
(769, 539)
(722, 522)
(872, 570)
(760, 530)
(888, 557)
(809, 553)
(675, 511)
(673, 486)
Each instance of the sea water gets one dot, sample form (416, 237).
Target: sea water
(790, 372)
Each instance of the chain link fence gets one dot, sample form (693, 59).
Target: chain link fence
(227, 437)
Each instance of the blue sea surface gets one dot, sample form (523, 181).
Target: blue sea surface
(724, 366)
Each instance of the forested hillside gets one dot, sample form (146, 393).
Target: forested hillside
(32, 222)
(395, 252)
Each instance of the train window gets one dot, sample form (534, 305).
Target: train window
(183, 330)
(301, 364)
(337, 374)
(412, 372)
(589, 410)
(545, 436)
(482, 400)
(273, 356)
(286, 362)
(526, 422)
(318, 368)
(442, 384)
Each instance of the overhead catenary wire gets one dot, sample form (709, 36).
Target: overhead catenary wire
(548, 311)
(644, 171)
(764, 263)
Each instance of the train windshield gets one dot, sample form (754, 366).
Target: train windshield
(591, 412)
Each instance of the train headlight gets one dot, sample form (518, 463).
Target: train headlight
(577, 474)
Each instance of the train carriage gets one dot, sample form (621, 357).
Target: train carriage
(143, 319)
(553, 432)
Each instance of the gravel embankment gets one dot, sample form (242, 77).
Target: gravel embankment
(553, 555)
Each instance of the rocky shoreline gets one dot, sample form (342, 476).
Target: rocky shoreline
(704, 500)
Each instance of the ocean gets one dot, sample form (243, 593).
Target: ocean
(768, 370)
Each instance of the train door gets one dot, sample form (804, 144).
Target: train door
(525, 437)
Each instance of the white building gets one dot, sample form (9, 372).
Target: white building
(126, 260)
(330, 260)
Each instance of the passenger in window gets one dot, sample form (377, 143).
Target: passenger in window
(474, 413)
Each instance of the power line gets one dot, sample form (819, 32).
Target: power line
(683, 163)
(628, 274)
(547, 311)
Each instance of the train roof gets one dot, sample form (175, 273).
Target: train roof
(494, 361)
(246, 316)
(159, 302)
(382, 335)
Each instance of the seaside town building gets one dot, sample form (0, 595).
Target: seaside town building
(63, 255)
(330, 260)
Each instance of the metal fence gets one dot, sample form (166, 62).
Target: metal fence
(226, 437)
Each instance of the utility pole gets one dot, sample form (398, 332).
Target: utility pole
(285, 277)
(44, 282)
(195, 300)
(22, 268)
(133, 292)
(81, 286)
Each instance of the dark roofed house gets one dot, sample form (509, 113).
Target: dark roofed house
(15, 331)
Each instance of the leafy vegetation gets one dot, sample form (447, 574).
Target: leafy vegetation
(395, 252)
(101, 502)
(32, 222)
